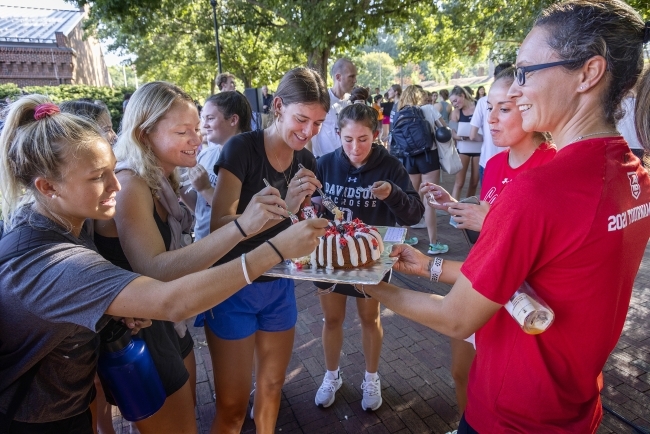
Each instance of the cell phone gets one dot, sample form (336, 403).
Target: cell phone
(470, 236)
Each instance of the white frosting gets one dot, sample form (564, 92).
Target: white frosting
(362, 249)
(352, 247)
(339, 251)
(374, 253)
(329, 252)
(324, 257)
(379, 240)
(312, 258)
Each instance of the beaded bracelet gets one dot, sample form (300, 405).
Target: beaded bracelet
(435, 268)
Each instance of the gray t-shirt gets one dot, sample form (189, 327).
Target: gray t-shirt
(52, 305)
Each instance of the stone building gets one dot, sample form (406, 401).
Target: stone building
(41, 46)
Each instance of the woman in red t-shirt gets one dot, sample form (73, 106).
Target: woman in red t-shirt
(575, 229)
(526, 150)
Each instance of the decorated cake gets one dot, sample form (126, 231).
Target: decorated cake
(345, 245)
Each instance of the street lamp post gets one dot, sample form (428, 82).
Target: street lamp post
(216, 31)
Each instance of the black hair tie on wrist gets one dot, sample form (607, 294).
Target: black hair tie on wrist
(646, 33)
(240, 229)
(276, 250)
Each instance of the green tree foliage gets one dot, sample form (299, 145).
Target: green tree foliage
(177, 35)
(375, 70)
(174, 41)
(111, 96)
(117, 75)
(468, 31)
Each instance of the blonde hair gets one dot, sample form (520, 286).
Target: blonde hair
(146, 107)
(31, 148)
(412, 95)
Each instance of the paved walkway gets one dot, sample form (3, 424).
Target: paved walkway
(417, 387)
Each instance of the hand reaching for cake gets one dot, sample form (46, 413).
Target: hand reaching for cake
(264, 206)
(300, 239)
(302, 185)
(382, 189)
(410, 260)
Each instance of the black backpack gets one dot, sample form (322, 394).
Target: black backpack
(411, 133)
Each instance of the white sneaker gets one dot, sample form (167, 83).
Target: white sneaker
(371, 394)
(327, 391)
(420, 225)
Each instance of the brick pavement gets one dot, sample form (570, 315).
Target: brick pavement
(417, 387)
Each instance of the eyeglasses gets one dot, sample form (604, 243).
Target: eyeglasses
(520, 72)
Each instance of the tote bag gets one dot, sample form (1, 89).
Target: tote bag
(449, 158)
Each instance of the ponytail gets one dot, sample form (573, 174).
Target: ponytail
(641, 115)
(36, 141)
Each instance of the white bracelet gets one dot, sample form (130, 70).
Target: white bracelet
(243, 267)
(435, 269)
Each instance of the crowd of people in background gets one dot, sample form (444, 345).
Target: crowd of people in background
(181, 212)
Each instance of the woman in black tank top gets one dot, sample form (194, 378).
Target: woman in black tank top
(469, 150)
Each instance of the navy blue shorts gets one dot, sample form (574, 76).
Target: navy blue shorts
(266, 306)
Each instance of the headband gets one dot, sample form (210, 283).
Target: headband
(646, 33)
(44, 110)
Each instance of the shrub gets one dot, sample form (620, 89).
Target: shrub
(111, 96)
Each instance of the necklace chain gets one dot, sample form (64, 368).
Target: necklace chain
(593, 134)
(284, 175)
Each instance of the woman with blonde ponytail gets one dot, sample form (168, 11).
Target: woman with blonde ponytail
(56, 172)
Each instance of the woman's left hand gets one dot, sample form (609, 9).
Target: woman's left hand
(409, 260)
(468, 215)
(382, 189)
(135, 324)
(302, 185)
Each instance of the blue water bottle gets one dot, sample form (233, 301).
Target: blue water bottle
(127, 371)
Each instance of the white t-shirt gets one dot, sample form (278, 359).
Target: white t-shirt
(625, 125)
(207, 158)
(480, 121)
(327, 140)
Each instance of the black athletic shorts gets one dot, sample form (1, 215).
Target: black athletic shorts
(349, 290)
(426, 162)
(471, 154)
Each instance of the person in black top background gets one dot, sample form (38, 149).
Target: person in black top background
(257, 324)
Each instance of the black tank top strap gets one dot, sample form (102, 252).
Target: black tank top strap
(463, 117)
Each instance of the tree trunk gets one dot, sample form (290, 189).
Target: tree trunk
(318, 61)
